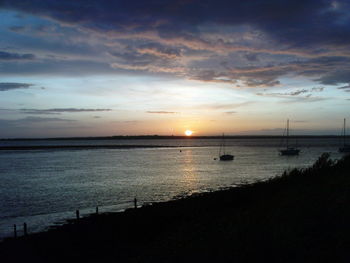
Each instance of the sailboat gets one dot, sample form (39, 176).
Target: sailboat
(223, 155)
(289, 150)
(346, 147)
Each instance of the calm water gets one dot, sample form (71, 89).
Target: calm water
(47, 186)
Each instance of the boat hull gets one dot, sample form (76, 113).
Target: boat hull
(345, 149)
(226, 157)
(290, 151)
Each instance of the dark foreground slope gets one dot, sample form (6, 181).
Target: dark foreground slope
(302, 216)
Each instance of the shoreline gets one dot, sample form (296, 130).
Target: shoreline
(301, 216)
(175, 137)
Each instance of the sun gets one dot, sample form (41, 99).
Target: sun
(188, 132)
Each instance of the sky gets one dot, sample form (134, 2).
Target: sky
(104, 67)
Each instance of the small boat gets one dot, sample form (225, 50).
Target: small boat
(223, 155)
(289, 150)
(226, 157)
(346, 147)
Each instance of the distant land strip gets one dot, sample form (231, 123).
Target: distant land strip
(78, 147)
(151, 137)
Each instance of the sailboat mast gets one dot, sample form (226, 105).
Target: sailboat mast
(223, 141)
(344, 131)
(287, 133)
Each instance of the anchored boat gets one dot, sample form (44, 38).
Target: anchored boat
(289, 150)
(346, 147)
(223, 155)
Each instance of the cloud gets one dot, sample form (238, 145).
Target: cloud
(159, 51)
(31, 120)
(162, 112)
(317, 89)
(293, 96)
(5, 86)
(269, 82)
(345, 87)
(292, 93)
(191, 39)
(17, 29)
(286, 21)
(336, 76)
(223, 106)
(212, 76)
(15, 56)
(60, 67)
(39, 119)
(148, 58)
(297, 92)
(56, 111)
(307, 98)
(268, 75)
(60, 110)
(252, 57)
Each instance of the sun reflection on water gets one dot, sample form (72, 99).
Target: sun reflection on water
(189, 176)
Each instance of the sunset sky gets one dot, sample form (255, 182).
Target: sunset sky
(101, 67)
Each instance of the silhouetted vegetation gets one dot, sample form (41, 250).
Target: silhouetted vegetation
(301, 216)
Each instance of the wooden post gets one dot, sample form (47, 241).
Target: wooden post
(25, 229)
(15, 231)
(77, 214)
(135, 203)
(96, 210)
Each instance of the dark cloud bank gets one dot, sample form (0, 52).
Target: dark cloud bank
(15, 56)
(299, 22)
(211, 40)
(5, 86)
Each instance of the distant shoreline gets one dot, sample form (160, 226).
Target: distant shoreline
(167, 137)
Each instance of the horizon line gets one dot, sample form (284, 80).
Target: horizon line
(151, 136)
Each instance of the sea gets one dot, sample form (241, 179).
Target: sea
(45, 187)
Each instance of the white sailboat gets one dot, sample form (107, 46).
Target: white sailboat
(223, 155)
(346, 147)
(289, 150)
